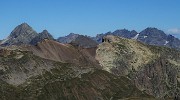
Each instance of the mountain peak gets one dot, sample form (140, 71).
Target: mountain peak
(45, 31)
(22, 34)
(24, 24)
(23, 28)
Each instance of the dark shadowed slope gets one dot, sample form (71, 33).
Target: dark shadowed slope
(41, 36)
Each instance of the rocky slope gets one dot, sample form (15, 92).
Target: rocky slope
(155, 70)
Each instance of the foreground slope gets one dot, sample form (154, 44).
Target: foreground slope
(155, 70)
(25, 76)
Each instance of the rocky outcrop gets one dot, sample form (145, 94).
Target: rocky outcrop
(158, 78)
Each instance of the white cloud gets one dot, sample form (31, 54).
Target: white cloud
(174, 31)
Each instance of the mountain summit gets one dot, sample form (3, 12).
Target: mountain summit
(22, 34)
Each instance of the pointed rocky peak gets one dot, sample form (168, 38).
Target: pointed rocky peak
(41, 36)
(45, 31)
(23, 29)
(152, 31)
(135, 32)
(46, 34)
(22, 34)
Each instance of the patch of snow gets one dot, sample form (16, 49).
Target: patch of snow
(145, 36)
(166, 42)
(135, 37)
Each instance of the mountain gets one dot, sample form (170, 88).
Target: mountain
(28, 75)
(22, 34)
(153, 69)
(41, 36)
(78, 40)
(153, 36)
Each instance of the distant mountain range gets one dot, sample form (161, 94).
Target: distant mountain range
(24, 34)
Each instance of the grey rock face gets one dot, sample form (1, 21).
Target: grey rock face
(22, 34)
(41, 36)
(157, 78)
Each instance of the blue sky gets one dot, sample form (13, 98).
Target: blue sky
(89, 17)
